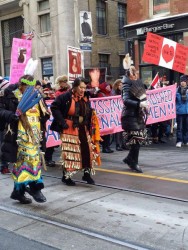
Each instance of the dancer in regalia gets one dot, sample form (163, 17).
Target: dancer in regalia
(25, 114)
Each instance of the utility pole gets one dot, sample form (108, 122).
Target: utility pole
(76, 23)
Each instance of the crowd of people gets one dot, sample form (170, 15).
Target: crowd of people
(23, 140)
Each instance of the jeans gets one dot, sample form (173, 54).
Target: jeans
(182, 128)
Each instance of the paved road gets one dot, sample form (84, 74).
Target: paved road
(95, 217)
(9, 240)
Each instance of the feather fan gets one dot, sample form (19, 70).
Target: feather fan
(30, 97)
(138, 90)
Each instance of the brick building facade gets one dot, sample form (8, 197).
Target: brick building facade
(168, 18)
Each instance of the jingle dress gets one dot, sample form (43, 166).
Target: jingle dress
(80, 150)
(27, 168)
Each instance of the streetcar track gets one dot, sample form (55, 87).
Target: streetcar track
(128, 190)
(58, 223)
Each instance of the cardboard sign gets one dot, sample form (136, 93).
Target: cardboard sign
(166, 53)
(20, 54)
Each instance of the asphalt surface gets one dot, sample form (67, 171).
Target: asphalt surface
(9, 240)
(138, 211)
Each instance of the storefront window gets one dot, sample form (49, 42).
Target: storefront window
(141, 51)
(160, 7)
(146, 75)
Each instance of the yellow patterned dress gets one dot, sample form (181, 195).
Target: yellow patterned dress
(27, 169)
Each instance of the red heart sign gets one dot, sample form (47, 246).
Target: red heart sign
(168, 53)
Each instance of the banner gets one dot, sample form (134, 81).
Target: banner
(108, 110)
(75, 63)
(161, 108)
(166, 53)
(162, 105)
(20, 54)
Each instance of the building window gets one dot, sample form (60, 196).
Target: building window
(44, 5)
(104, 62)
(101, 17)
(10, 28)
(160, 7)
(121, 69)
(121, 18)
(44, 16)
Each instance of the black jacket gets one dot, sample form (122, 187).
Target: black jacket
(8, 106)
(60, 108)
(131, 118)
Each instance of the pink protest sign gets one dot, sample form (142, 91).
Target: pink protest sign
(161, 108)
(161, 104)
(52, 137)
(20, 54)
(108, 111)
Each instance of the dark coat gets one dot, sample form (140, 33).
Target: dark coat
(131, 118)
(60, 108)
(8, 106)
(86, 29)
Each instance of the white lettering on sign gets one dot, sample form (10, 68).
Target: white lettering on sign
(143, 30)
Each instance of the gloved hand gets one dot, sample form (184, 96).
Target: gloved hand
(144, 104)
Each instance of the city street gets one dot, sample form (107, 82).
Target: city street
(124, 210)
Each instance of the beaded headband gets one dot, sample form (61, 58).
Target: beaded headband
(31, 83)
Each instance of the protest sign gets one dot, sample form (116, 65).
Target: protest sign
(20, 54)
(75, 63)
(161, 104)
(108, 109)
(95, 76)
(166, 53)
(52, 137)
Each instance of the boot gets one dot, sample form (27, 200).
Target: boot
(67, 181)
(36, 194)
(107, 150)
(20, 196)
(132, 159)
(118, 148)
(87, 177)
(137, 168)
